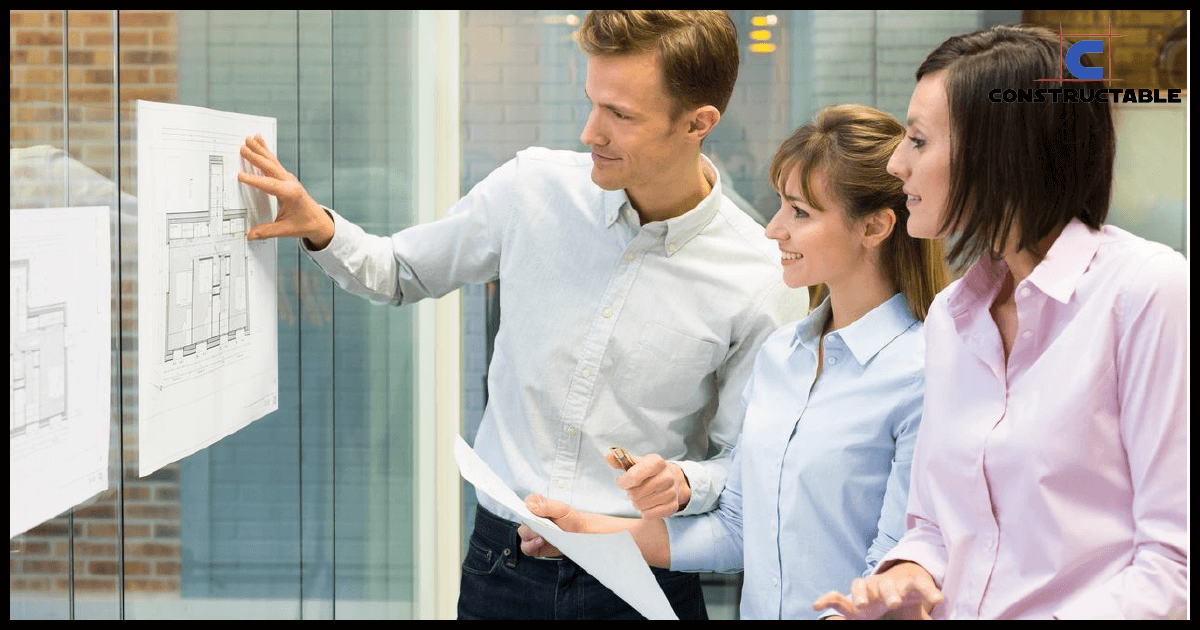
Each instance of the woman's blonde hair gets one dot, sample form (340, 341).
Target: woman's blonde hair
(851, 145)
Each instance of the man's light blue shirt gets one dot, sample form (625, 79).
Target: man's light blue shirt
(818, 488)
(611, 332)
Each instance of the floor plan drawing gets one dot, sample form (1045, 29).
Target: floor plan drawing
(206, 298)
(207, 311)
(37, 372)
(59, 374)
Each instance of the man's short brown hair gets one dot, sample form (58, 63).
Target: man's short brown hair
(697, 50)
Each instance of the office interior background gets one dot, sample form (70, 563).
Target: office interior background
(345, 503)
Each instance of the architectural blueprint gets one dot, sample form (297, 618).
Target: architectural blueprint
(207, 311)
(59, 375)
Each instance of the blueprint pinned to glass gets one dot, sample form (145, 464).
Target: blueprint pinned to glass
(59, 379)
(614, 558)
(208, 360)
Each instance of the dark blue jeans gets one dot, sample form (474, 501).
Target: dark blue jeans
(499, 582)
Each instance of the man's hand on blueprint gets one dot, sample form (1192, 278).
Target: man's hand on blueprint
(299, 214)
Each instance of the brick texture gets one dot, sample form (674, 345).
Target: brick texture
(41, 59)
(1134, 54)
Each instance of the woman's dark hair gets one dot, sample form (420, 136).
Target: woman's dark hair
(1032, 165)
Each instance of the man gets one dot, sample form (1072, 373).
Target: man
(634, 298)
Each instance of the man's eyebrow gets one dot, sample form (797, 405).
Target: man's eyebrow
(609, 106)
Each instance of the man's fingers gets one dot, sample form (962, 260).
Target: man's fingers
(257, 155)
(256, 152)
(648, 468)
(262, 231)
(532, 544)
(276, 229)
(265, 184)
(547, 508)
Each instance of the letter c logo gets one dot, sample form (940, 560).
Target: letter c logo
(1079, 70)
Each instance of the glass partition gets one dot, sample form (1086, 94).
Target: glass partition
(309, 511)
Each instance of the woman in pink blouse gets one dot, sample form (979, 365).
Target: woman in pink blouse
(1050, 473)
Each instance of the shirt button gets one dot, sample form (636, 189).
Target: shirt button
(607, 312)
(671, 247)
(831, 360)
(572, 431)
(562, 484)
(1027, 334)
(1024, 291)
(587, 373)
(630, 256)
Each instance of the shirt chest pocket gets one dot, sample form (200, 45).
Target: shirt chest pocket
(666, 370)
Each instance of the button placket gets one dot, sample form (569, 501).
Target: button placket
(581, 389)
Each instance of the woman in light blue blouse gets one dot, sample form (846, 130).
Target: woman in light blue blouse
(819, 482)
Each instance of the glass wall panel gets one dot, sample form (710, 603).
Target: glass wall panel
(314, 321)
(240, 498)
(307, 512)
(373, 372)
(62, 152)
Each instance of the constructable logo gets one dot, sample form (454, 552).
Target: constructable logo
(1079, 72)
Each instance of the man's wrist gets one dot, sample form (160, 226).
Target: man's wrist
(324, 235)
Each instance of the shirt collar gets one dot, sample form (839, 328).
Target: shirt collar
(867, 335)
(809, 328)
(683, 228)
(1057, 275)
(1059, 272)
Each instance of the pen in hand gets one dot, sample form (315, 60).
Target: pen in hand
(622, 457)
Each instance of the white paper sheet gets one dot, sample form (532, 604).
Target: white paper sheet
(59, 378)
(208, 351)
(614, 558)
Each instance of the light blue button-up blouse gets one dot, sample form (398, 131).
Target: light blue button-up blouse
(818, 486)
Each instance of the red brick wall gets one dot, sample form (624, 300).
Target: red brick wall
(39, 59)
(37, 64)
(1135, 53)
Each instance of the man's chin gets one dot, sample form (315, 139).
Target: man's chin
(605, 183)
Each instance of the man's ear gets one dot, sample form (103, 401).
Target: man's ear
(703, 120)
(878, 226)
